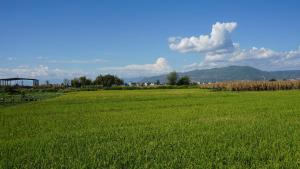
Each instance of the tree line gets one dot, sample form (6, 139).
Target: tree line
(101, 80)
(112, 80)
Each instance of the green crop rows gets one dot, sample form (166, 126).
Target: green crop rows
(167, 128)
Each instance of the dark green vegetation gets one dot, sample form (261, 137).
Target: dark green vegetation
(184, 80)
(178, 128)
(101, 80)
(174, 80)
(11, 95)
(231, 73)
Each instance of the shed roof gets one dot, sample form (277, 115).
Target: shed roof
(18, 78)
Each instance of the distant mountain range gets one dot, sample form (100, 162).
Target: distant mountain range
(230, 73)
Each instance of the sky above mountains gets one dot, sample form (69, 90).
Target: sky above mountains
(62, 39)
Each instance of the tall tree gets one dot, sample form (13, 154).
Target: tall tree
(84, 81)
(172, 78)
(157, 82)
(66, 82)
(75, 82)
(98, 80)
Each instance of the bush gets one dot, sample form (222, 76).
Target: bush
(10, 90)
(185, 80)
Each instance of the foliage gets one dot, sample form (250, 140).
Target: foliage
(84, 81)
(100, 81)
(172, 78)
(108, 80)
(66, 82)
(81, 82)
(185, 80)
(187, 128)
(23, 96)
(10, 90)
(75, 82)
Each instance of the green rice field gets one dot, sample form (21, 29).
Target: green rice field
(162, 128)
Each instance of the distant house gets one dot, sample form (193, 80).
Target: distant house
(137, 84)
(149, 84)
(131, 84)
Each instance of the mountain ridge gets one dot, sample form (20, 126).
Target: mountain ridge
(229, 73)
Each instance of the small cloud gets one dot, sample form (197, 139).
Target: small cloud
(11, 58)
(78, 61)
(71, 61)
(42, 58)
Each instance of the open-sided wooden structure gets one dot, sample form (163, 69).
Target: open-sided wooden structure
(18, 81)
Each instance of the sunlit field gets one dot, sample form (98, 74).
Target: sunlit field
(170, 128)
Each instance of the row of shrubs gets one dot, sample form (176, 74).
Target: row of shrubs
(253, 85)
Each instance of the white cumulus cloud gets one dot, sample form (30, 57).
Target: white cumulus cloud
(219, 50)
(218, 40)
(263, 58)
(135, 70)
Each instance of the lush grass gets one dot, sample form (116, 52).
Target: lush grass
(176, 128)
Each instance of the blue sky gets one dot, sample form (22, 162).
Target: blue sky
(57, 39)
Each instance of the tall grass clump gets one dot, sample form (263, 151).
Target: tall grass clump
(253, 85)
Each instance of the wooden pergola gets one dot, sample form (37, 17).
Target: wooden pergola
(18, 81)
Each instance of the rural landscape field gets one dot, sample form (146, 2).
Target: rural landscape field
(162, 128)
(149, 84)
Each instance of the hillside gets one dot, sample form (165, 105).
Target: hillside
(230, 73)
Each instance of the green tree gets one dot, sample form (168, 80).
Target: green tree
(98, 80)
(185, 80)
(66, 82)
(157, 82)
(172, 78)
(75, 82)
(108, 80)
(84, 81)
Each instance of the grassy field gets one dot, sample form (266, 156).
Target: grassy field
(175, 128)
(10, 99)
